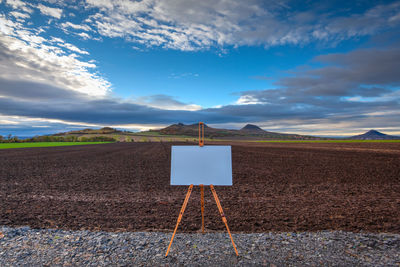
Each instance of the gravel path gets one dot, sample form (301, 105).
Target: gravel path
(33, 247)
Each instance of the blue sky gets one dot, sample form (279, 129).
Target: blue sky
(320, 67)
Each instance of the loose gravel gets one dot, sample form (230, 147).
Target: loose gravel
(41, 247)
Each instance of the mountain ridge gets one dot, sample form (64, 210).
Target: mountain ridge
(249, 131)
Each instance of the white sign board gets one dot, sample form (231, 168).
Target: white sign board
(201, 165)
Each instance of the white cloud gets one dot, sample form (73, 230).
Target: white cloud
(27, 56)
(58, 2)
(56, 40)
(84, 35)
(249, 100)
(19, 15)
(15, 3)
(103, 4)
(50, 11)
(73, 48)
(19, 5)
(8, 119)
(192, 25)
(68, 24)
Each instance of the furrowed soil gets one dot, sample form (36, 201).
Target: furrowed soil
(277, 187)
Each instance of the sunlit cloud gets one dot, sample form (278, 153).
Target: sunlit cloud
(50, 11)
(30, 57)
(19, 15)
(68, 24)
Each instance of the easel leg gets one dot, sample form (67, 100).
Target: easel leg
(223, 216)
(180, 217)
(202, 207)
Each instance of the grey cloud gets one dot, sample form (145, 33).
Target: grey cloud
(361, 85)
(161, 100)
(30, 129)
(29, 90)
(371, 66)
(371, 91)
(76, 108)
(358, 73)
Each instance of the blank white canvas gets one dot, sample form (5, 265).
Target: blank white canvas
(201, 165)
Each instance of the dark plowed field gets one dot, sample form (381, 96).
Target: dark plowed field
(277, 187)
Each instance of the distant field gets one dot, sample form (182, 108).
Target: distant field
(327, 141)
(46, 144)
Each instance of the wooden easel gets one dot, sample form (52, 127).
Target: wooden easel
(221, 211)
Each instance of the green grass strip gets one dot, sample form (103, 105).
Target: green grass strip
(46, 144)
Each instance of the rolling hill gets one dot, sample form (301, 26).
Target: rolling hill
(252, 129)
(180, 130)
(105, 130)
(248, 132)
(108, 132)
(374, 135)
(189, 132)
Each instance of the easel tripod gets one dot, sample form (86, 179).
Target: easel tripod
(201, 143)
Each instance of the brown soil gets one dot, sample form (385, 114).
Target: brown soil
(277, 187)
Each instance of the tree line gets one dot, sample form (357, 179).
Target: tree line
(70, 138)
